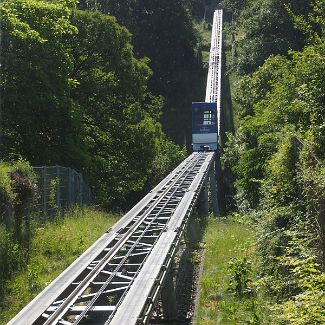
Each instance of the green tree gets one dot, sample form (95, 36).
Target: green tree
(119, 115)
(268, 29)
(283, 96)
(163, 31)
(38, 117)
(74, 94)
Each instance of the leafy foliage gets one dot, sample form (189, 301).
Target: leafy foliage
(35, 64)
(240, 270)
(283, 96)
(118, 114)
(74, 94)
(264, 27)
(277, 155)
(18, 190)
(163, 31)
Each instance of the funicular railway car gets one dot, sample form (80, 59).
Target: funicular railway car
(204, 126)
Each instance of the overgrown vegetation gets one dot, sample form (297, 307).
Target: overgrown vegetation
(277, 151)
(228, 282)
(18, 191)
(54, 245)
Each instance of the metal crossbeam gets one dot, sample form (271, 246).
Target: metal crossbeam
(213, 89)
(117, 280)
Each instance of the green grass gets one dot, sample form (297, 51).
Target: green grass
(54, 246)
(226, 241)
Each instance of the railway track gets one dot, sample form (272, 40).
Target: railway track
(118, 279)
(213, 89)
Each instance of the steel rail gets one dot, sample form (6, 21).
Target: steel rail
(188, 171)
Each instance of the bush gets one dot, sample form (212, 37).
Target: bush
(9, 256)
(17, 191)
(7, 196)
(240, 271)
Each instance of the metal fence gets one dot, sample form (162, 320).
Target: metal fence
(59, 188)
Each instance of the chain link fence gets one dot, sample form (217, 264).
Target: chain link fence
(60, 188)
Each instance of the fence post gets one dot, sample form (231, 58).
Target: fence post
(58, 193)
(69, 187)
(44, 189)
(81, 188)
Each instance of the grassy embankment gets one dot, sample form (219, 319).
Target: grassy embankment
(227, 294)
(54, 246)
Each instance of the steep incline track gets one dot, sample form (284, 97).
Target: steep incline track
(117, 280)
(213, 89)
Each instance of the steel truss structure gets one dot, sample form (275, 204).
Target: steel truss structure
(118, 279)
(213, 89)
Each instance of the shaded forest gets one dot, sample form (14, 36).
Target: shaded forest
(163, 31)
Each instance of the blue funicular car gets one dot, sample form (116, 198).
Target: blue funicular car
(204, 126)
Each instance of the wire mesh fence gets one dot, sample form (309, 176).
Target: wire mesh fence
(60, 188)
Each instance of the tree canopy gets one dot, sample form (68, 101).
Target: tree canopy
(163, 31)
(74, 94)
(266, 27)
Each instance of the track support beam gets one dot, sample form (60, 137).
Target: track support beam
(214, 191)
(203, 202)
(168, 297)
